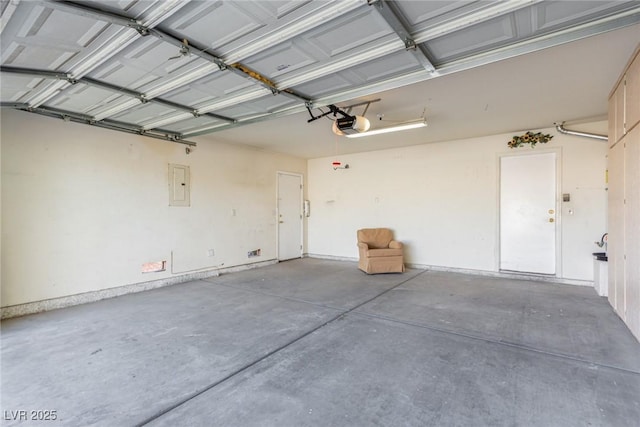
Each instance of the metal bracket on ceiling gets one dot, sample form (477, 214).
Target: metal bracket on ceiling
(184, 51)
(332, 110)
(141, 29)
(410, 44)
(337, 110)
(366, 103)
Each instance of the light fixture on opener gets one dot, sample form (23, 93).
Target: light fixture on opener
(350, 125)
(414, 124)
(346, 123)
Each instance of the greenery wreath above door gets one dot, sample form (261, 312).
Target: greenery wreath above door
(529, 138)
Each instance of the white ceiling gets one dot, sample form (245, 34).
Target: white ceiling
(243, 71)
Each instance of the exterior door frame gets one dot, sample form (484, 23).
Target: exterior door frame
(558, 203)
(278, 174)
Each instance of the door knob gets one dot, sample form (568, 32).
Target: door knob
(281, 222)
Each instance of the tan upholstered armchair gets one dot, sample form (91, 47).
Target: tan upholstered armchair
(379, 253)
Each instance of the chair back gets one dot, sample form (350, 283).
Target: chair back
(376, 238)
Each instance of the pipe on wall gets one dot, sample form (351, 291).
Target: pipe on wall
(560, 128)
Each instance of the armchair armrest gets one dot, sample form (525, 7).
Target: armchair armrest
(363, 245)
(394, 244)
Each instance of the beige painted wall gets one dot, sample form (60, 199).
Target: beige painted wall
(83, 208)
(442, 200)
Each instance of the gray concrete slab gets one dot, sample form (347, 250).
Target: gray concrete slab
(363, 371)
(317, 342)
(117, 362)
(564, 319)
(329, 283)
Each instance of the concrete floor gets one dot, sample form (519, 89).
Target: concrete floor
(318, 343)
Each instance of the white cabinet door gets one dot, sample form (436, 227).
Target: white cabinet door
(615, 244)
(632, 229)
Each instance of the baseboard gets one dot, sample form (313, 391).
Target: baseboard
(506, 275)
(93, 296)
(502, 274)
(331, 257)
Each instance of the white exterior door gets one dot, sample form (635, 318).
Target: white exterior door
(289, 216)
(528, 213)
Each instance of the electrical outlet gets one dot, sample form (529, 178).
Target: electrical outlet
(211, 252)
(254, 253)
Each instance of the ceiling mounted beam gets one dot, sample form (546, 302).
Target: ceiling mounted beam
(157, 100)
(110, 87)
(70, 116)
(385, 9)
(205, 130)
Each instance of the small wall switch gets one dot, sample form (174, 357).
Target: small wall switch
(211, 252)
(566, 197)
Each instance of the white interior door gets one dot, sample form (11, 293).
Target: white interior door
(289, 216)
(528, 213)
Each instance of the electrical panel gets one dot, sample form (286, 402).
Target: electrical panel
(179, 186)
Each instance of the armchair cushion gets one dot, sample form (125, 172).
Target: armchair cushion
(395, 245)
(384, 252)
